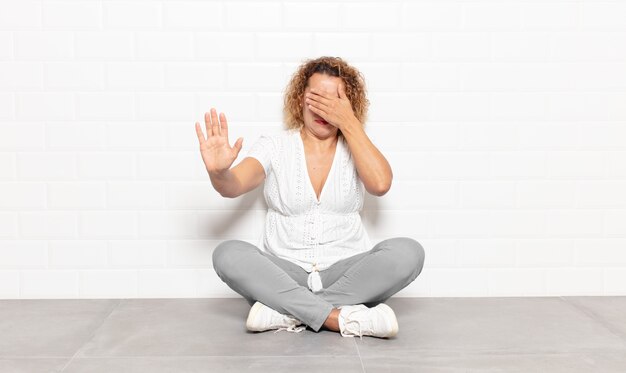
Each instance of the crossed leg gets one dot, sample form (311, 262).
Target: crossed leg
(367, 278)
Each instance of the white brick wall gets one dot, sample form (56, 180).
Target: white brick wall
(504, 122)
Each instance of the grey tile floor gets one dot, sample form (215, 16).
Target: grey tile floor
(529, 334)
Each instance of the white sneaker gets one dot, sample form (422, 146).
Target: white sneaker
(379, 321)
(262, 317)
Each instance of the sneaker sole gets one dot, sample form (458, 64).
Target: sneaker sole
(392, 316)
(256, 307)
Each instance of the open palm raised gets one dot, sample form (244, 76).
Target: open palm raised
(216, 151)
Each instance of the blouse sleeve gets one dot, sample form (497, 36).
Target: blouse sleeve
(262, 150)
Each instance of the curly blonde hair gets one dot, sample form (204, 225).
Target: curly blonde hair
(354, 84)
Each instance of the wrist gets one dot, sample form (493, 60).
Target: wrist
(218, 174)
(352, 126)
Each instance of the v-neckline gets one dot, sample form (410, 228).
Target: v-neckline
(306, 168)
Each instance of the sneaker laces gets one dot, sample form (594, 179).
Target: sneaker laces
(292, 323)
(292, 328)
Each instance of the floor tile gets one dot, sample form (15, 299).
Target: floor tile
(32, 365)
(286, 364)
(51, 327)
(611, 311)
(518, 334)
(202, 327)
(605, 362)
(494, 325)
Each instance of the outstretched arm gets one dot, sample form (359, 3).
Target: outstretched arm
(218, 156)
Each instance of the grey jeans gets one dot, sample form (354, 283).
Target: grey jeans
(368, 278)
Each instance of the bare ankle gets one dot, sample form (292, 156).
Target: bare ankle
(332, 321)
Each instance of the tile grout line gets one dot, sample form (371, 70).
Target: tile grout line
(595, 317)
(174, 357)
(93, 334)
(358, 352)
(439, 353)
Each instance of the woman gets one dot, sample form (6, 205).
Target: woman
(315, 264)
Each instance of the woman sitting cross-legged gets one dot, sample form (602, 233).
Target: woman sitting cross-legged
(315, 264)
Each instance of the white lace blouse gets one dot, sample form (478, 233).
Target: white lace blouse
(300, 228)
